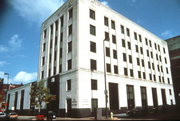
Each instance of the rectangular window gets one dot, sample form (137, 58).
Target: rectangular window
(142, 62)
(70, 30)
(135, 35)
(131, 73)
(170, 93)
(149, 65)
(168, 80)
(44, 47)
(92, 14)
(129, 45)
(61, 38)
(55, 55)
(158, 47)
(137, 49)
(93, 47)
(114, 54)
(167, 71)
(49, 58)
(69, 64)
(143, 97)
(160, 58)
(108, 67)
(51, 29)
(122, 29)
(93, 84)
(165, 60)
(146, 41)
(156, 56)
(140, 39)
(124, 57)
(125, 72)
(138, 62)
(42, 74)
(56, 41)
(57, 24)
(92, 30)
(70, 47)
(150, 43)
(123, 43)
(114, 39)
(128, 32)
(153, 66)
(61, 52)
(107, 52)
(158, 68)
(115, 69)
(68, 85)
(113, 24)
(139, 74)
(164, 50)
(155, 46)
(70, 13)
(151, 54)
(130, 59)
(144, 75)
(43, 61)
(45, 34)
(93, 64)
(62, 21)
(54, 70)
(148, 53)
(161, 69)
(130, 96)
(107, 36)
(141, 49)
(60, 68)
(154, 77)
(150, 77)
(106, 21)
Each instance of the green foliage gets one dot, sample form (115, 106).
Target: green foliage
(39, 93)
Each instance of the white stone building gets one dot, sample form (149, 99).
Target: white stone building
(72, 60)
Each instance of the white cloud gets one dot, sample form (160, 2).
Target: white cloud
(24, 77)
(3, 48)
(105, 3)
(2, 63)
(15, 41)
(167, 33)
(36, 10)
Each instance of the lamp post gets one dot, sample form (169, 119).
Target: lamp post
(105, 91)
(7, 79)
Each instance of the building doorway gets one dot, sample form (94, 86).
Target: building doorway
(69, 107)
(130, 96)
(154, 95)
(113, 96)
(94, 105)
(163, 96)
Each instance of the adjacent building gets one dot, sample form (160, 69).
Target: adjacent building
(174, 52)
(81, 40)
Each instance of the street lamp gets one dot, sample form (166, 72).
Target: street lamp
(7, 79)
(105, 91)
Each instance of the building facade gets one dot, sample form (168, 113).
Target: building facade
(174, 52)
(81, 40)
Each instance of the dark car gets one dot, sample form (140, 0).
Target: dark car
(12, 116)
(2, 116)
(51, 115)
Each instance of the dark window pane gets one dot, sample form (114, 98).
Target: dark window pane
(106, 21)
(108, 67)
(92, 30)
(92, 14)
(93, 64)
(93, 84)
(93, 47)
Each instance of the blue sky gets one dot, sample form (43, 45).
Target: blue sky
(20, 22)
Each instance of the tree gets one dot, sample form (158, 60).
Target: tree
(39, 94)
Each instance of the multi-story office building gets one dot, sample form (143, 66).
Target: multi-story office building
(174, 52)
(81, 40)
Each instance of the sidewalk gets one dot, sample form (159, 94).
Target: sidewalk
(60, 118)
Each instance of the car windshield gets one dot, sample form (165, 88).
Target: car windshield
(13, 113)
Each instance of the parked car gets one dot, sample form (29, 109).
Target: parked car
(51, 115)
(2, 116)
(12, 116)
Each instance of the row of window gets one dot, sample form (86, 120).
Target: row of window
(106, 23)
